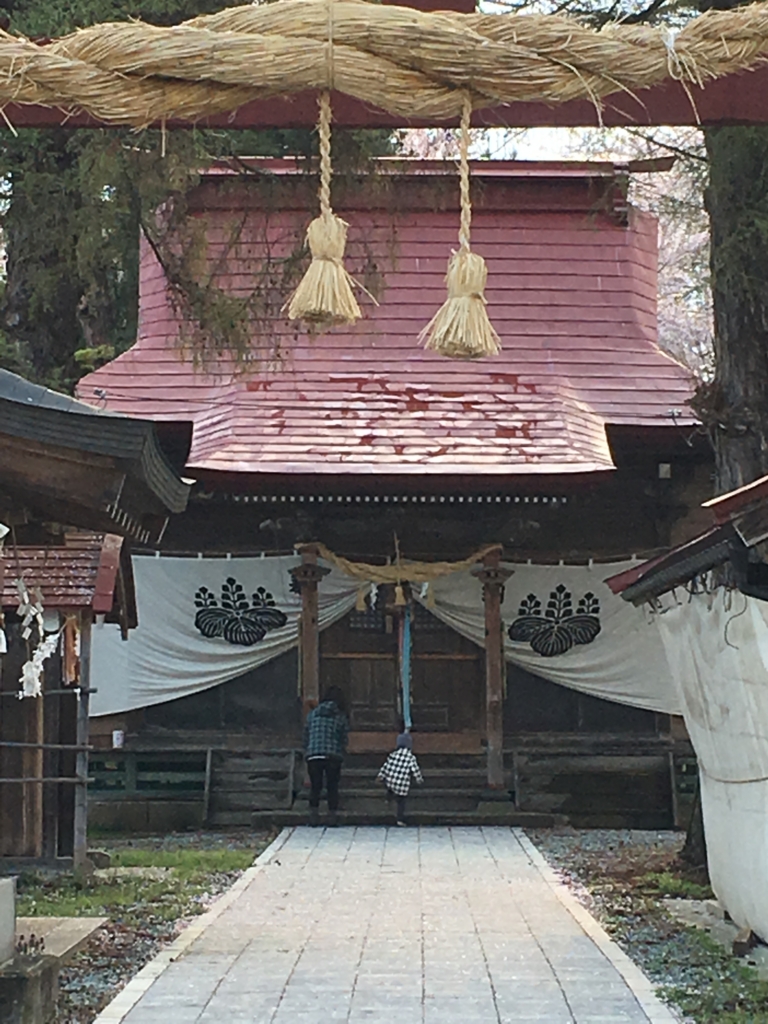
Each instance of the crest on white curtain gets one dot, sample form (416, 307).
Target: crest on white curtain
(559, 628)
(235, 619)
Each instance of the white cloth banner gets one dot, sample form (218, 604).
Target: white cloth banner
(608, 648)
(717, 647)
(570, 629)
(168, 656)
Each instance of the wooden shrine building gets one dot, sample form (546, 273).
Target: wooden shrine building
(574, 446)
(63, 465)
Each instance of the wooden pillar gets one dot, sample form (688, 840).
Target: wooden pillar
(81, 761)
(493, 578)
(32, 768)
(308, 575)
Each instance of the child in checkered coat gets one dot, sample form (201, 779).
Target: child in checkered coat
(396, 773)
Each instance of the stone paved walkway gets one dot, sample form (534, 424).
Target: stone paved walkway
(419, 926)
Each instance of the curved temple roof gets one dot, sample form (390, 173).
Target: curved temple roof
(571, 291)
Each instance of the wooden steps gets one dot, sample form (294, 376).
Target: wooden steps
(510, 817)
(239, 782)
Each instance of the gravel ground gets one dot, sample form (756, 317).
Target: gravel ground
(594, 862)
(608, 870)
(122, 947)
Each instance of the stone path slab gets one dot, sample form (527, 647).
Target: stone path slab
(375, 925)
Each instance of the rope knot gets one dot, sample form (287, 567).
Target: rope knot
(674, 64)
(327, 237)
(466, 276)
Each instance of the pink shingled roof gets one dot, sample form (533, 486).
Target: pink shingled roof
(571, 292)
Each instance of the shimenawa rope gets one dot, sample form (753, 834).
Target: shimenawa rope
(414, 64)
(403, 571)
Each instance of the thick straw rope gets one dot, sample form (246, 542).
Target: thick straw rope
(461, 328)
(402, 571)
(411, 63)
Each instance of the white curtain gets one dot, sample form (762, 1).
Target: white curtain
(168, 656)
(717, 647)
(625, 662)
(619, 658)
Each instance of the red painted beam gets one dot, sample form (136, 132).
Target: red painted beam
(735, 99)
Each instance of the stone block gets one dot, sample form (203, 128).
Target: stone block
(145, 815)
(174, 815)
(7, 919)
(744, 941)
(28, 990)
(99, 858)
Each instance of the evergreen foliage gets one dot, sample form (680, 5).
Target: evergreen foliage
(73, 202)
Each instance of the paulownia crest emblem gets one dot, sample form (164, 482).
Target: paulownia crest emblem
(236, 619)
(558, 628)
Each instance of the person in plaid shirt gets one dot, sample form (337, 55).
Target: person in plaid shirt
(326, 731)
(397, 771)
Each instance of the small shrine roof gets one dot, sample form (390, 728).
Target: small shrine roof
(81, 572)
(740, 521)
(571, 291)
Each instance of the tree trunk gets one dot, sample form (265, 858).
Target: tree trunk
(734, 407)
(694, 851)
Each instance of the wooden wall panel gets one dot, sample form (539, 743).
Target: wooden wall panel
(264, 701)
(535, 705)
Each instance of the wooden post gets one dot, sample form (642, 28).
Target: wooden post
(81, 762)
(32, 768)
(207, 789)
(308, 575)
(493, 578)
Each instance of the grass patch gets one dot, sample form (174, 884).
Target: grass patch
(132, 901)
(666, 883)
(716, 987)
(182, 887)
(161, 882)
(185, 862)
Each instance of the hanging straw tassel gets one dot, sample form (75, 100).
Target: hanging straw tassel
(324, 296)
(461, 329)
(362, 593)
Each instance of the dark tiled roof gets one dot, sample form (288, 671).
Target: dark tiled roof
(81, 573)
(61, 424)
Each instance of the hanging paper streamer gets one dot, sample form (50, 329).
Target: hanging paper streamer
(461, 329)
(31, 679)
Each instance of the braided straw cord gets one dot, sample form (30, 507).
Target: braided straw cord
(464, 197)
(413, 64)
(326, 169)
